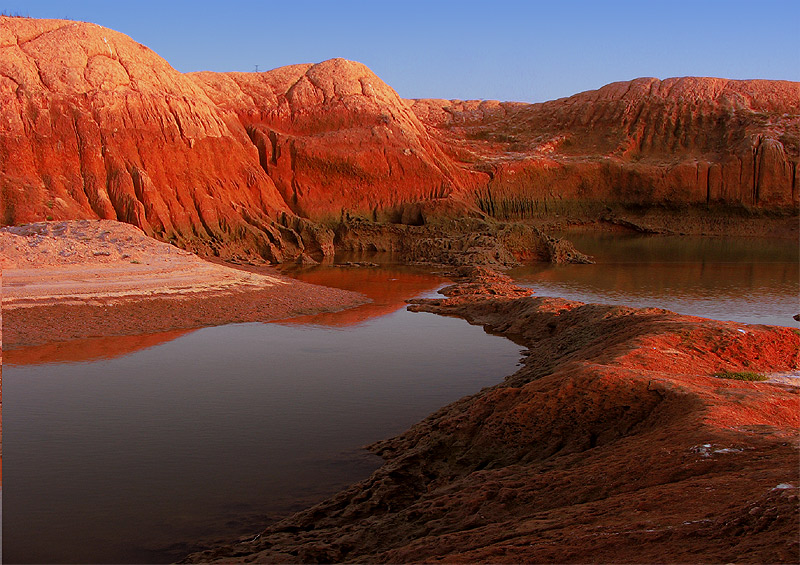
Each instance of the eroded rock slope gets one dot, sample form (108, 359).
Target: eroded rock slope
(647, 142)
(95, 125)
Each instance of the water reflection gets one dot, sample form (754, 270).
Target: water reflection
(209, 433)
(88, 349)
(746, 280)
(207, 436)
(388, 286)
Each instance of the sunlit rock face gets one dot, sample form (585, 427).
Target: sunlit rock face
(337, 140)
(95, 125)
(681, 141)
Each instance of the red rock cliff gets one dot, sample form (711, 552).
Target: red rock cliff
(336, 139)
(95, 125)
(644, 142)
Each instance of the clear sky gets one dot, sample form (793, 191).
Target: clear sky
(494, 49)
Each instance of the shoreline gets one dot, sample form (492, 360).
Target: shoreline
(538, 467)
(75, 280)
(33, 325)
(543, 455)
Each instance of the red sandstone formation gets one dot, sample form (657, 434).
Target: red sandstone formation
(336, 140)
(95, 125)
(646, 142)
(614, 443)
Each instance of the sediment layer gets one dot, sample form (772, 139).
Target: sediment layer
(94, 125)
(86, 278)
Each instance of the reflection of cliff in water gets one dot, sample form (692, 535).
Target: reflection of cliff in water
(747, 280)
(88, 349)
(388, 286)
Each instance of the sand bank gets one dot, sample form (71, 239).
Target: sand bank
(78, 279)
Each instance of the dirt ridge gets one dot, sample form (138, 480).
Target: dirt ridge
(538, 468)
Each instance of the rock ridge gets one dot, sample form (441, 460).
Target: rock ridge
(538, 468)
(96, 126)
(681, 141)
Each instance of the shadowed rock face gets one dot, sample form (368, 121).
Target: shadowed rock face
(95, 125)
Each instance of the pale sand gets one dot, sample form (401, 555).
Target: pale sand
(84, 278)
(78, 261)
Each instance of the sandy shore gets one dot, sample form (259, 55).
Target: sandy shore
(79, 279)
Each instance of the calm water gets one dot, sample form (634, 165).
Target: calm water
(745, 280)
(120, 459)
(130, 449)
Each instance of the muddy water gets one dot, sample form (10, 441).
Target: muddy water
(133, 455)
(746, 280)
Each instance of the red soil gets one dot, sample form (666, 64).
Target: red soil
(614, 443)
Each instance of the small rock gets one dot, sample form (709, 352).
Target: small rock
(305, 260)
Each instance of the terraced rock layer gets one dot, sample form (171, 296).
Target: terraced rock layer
(94, 125)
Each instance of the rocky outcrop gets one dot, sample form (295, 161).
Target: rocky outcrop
(677, 142)
(615, 442)
(337, 140)
(458, 242)
(95, 125)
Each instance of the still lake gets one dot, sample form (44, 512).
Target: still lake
(134, 449)
(132, 455)
(749, 280)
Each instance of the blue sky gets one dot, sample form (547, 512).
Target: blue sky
(504, 50)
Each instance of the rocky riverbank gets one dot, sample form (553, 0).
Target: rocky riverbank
(618, 440)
